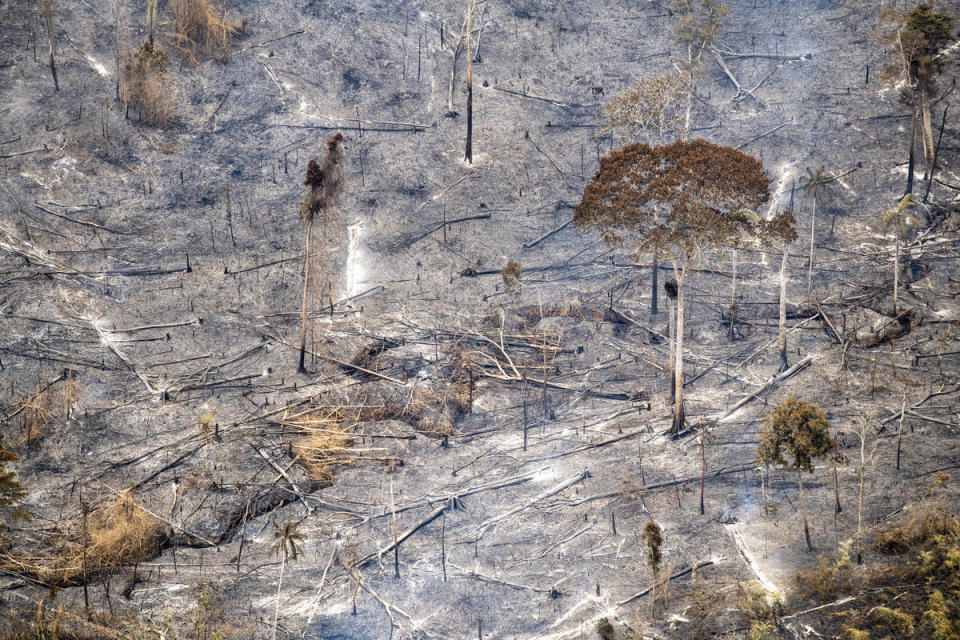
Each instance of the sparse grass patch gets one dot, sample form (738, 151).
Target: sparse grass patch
(201, 30)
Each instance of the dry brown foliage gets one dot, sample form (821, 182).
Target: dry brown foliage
(923, 527)
(118, 533)
(44, 406)
(201, 30)
(144, 85)
(323, 438)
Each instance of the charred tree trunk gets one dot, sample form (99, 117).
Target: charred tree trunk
(47, 10)
(306, 292)
(913, 143)
(703, 470)
(803, 510)
(733, 294)
(469, 151)
(782, 335)
(653, 288)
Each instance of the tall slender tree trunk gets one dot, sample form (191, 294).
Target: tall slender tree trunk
(48, 25)
(926, 129)
(733, 293)
(686, 121)
(863, 437)
(654, 279)
(763, 489)
(116, 47)
(896, 265)
(782, 335)
(703, 471)
(673, 349)
(903, 411)
(911, 162)
(679, 417)
(469, 151)
(803, 509)
(276, 608)
(306, 292)
(813, 227)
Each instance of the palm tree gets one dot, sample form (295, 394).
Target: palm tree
(286, 538)
(816, 184)
(902, 220)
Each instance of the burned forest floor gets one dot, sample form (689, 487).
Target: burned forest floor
(461, 458)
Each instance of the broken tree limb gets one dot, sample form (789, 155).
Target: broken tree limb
(442, 193)
(770, 384)
(260, 44)
(556, 166)
(280, 470)
(762, 135)
(433, 515)
(673, 576)
(440, 225)
(530, 96)
(934, 394)
(530, 245)
(667, 484)
(489, 523)
(740, 90)
(595, 445)
(109, 342)
(473, 573)
(461, 494)
(84, 223)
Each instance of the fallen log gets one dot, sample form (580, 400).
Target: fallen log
(770, 384)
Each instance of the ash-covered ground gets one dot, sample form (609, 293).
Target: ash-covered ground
(162, 271)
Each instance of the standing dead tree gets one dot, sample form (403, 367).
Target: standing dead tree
(901, 220)
(681, 200)
(47, 10)
(326, 188)
(469, 150)
(780, 230)
(700, 21)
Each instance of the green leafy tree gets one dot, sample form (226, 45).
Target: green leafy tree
(286, 546)
(678, 200)
(326, 189)
(794, 435)
(902, 221)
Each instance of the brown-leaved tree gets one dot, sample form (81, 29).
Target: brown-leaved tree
(678, 200)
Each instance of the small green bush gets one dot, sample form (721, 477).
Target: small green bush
(892, 620)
